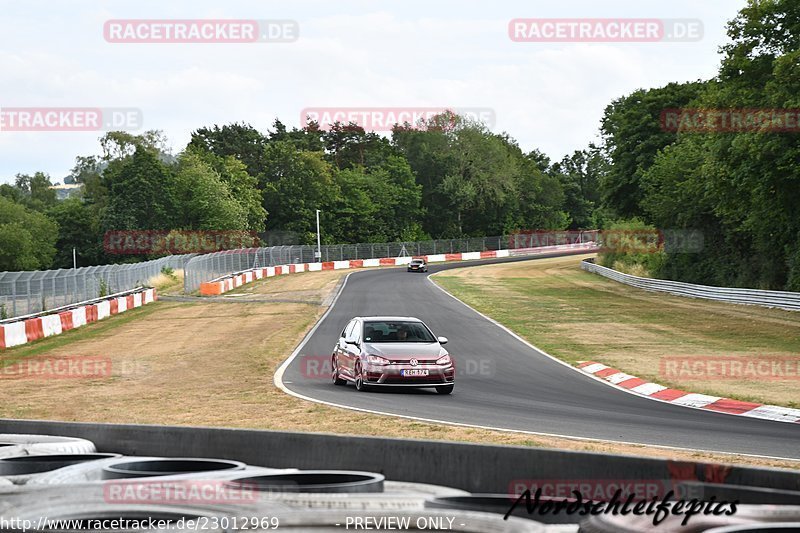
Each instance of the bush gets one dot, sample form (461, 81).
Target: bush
(631, 246)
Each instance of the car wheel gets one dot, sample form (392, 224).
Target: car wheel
(335, 374)
(360, 386)
(445, 389)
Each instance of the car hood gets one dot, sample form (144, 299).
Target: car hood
(405, 351)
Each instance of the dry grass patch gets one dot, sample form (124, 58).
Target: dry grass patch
(168, 282)
(313, 287)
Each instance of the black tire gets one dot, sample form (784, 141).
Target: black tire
(335, 373)
(360, 386)
(445, 389)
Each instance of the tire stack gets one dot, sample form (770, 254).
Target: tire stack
(62, 478)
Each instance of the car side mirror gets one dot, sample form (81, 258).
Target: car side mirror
(442, 340)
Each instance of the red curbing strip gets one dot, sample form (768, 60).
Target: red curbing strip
(631, 383)
(606, 372)
(721, 405)
(735, 407)
(669, 394)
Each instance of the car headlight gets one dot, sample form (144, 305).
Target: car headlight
(445, 360)
(375, 360)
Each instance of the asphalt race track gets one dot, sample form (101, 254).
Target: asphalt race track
(503, 383)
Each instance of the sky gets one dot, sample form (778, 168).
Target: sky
(349, 54)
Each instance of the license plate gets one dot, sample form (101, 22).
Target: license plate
(414, 373)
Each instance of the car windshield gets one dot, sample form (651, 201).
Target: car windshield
(397, 331)
(416, 262)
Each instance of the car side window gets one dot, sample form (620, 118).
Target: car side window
(348, 331)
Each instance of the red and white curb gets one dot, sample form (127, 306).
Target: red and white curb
(31, 329)
(227, 283)
(688, 399)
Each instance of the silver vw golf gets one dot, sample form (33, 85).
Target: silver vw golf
(391, 351)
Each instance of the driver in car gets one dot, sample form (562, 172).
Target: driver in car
(402, 334)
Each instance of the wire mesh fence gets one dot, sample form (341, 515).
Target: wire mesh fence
(207, 267)
(30, 292)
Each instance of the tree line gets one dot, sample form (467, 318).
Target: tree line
(451, 177)
(447, 177)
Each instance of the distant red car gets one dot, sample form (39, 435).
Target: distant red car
(392, 351)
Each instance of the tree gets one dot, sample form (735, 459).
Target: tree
(241, 141)
(242, 186)
(349, 146)
(140, 193)
(309, 138)
(32, 191)
(477, 183)
(580, 175)
(296, 184)
(78, 228)
(27, 238)
(633, 135)
(202, 199)
(377, 205)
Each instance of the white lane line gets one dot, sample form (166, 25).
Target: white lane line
(278, 380)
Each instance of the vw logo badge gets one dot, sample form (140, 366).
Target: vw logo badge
(414, 362)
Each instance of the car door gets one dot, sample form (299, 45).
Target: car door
(349, 351)
(339, 351)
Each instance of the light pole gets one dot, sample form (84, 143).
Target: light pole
(319, 245)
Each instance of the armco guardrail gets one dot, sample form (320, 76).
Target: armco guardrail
(31, 292)
(777, 299)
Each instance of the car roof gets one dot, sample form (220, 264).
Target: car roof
(388, 318)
